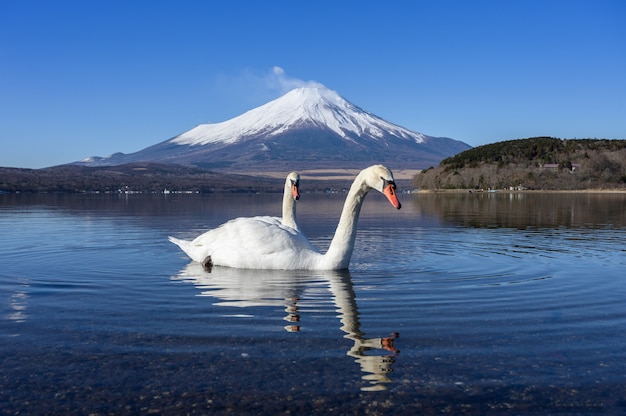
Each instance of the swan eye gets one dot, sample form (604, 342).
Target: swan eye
(387, 182)
(295, 183)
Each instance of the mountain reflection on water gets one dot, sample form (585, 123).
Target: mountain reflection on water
(244, 288)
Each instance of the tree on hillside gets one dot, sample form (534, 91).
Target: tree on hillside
(535, 163)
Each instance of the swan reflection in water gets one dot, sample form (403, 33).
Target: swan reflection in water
(247, 288)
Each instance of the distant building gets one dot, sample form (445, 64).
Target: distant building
(555, 167)
(517, 188)
(550, 166)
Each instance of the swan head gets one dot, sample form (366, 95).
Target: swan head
(380, 178)
(293, 183)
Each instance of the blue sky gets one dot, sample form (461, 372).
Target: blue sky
(88, 77)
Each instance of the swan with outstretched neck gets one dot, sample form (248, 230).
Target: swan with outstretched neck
(258, 243)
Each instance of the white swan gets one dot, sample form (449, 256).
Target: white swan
(259, 243)
(291, 193)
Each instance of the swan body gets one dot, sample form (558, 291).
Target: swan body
(243, 233)
(267, 243)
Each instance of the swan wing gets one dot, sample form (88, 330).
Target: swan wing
(251, 243)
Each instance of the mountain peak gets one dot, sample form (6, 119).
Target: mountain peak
(300, 107)
(314, 95)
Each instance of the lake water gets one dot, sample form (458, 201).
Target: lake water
(474, 304)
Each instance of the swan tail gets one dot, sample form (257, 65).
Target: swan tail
(183, 244)
(195, 253)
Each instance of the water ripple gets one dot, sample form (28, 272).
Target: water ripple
(492, 310)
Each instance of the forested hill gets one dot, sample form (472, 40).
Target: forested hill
(534, 163)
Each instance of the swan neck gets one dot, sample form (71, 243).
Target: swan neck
(341, 247)
(289, 208)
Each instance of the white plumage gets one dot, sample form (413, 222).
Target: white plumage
(267, 243)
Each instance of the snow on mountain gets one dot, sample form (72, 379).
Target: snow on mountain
(317, 106)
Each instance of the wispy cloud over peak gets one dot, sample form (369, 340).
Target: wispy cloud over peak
(279, 81)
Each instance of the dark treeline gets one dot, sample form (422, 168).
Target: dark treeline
(534, 163)
(136, 177)
(146, 178)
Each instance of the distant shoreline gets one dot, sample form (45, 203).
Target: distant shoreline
(158, 178)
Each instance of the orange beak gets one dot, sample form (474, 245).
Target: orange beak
(390, 193)
(295, 191)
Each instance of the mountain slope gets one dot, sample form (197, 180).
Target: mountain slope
(305, 128)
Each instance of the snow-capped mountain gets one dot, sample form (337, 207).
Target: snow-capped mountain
(302, 107)
(306, 128)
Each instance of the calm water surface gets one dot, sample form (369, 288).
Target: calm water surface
(456, 304)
